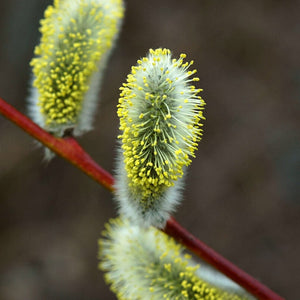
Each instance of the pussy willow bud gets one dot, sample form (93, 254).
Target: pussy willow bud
(160, 113)
(147, 264)
(77, 37)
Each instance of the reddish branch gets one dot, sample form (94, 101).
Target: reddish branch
(257, 289)
(69, 149)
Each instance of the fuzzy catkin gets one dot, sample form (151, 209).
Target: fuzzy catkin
(76, 39)
(146, 264)
(160, 121)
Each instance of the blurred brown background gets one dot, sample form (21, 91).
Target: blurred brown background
(242, 193)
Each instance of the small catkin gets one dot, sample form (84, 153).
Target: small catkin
(146, 264)
(160, 121)
(76, 39)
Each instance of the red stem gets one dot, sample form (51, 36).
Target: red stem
(70, 150)
(257, 289)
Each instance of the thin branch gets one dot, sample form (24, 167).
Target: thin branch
(175, 230)
(69, 149)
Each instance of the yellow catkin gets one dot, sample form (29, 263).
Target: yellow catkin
(76, 36)
(160, 113)
(147, 264)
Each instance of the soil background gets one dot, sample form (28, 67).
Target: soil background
(242, 193)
